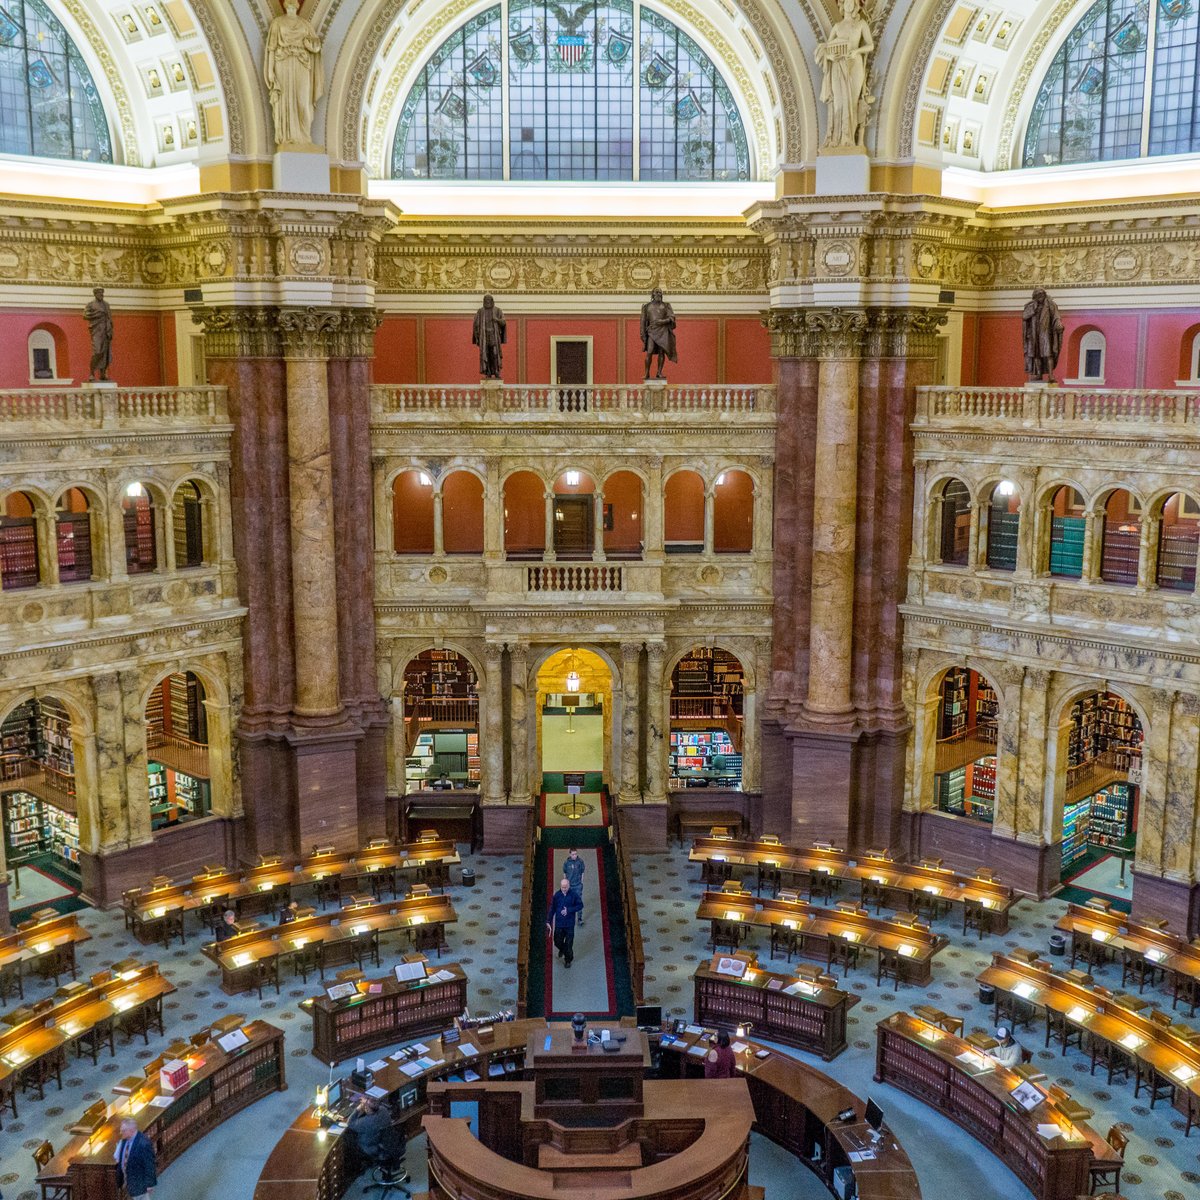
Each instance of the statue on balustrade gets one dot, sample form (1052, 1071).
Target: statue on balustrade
(658, 331)
(490, 334)
(100, 326)
(1041, 332)
(294, 76)
(844, 87)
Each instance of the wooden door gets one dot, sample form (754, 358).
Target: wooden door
(573, 526)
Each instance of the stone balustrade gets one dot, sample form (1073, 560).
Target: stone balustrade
(107, 408)
(572, 401)
(1051, 407)
(573, 577)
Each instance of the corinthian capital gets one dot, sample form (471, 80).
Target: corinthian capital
(309, 332)
(239, 332)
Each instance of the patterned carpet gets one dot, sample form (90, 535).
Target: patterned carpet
(1161, 1164)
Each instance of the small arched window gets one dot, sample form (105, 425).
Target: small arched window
(73, 521)
(955, 533)
(141, 544)
(1092, 349)
(1004, 519)
(733, 513)
(1193, 359)
(188, 517)
(524, 515)
(412, 513)
(683, 514)
(43, 345)
(623, 515)
(1178, 528)
(18, 543)
(462, 513)
(1121, 539)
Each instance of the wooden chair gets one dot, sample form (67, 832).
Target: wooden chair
(889, 966)
(8, 1096)
(1088, 950)
(141, 1019)
(872, 893)
(1191, 1112)
(51, 1189)
(1187, 989)
(431, 936)
(1013, 1011)
(11, 980)
(266, 972)
(90, 1040)
(842, 952)
(365, 947)
(306, 959)
(769, 877)
(1113, 1057)
(927, 904)
(726, 933)
(975, 916)
(1158, 1085)
(1103, 1174)
(822, 885)
(786, 941)
(41, 1070)
(1057, 1026)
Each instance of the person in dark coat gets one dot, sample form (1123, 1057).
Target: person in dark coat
(368, 1124)
(136, 1170)
(227, 926)
(573, 868)
(560, 920)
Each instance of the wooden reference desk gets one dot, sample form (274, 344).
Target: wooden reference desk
(797, 1107)
(924, 1061)
(1162, 1055)
(220, 1085)
(1159, 950)
(35, 1048)
(898, 885)
(782, 1008)
(423, 917)
(51, 943)
(454, 813)
(815, 926)
(383, 1012)
(794, 1104)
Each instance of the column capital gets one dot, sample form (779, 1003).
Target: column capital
(309, 332)
(492, 653)
(630, 650)
(903, 332)
(816, 332)
(234, 331)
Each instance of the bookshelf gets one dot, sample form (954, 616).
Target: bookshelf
(709, 752)
(18, 739)
(439, 673)
(1066, 546)
(1110, 819)
(1177, 557)
(954, 710)
(74, 534)
(709, 672)
(1076, 821)
(1104, 724)
(24, 827)
(987, 707)
(1002, 537)
(62, 833)
(18, 552)
(1119, 553)
(55, 749)
(138, 517)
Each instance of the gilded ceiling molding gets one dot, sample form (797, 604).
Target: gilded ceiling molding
(230, 91)
(131, 154)
(911, 103)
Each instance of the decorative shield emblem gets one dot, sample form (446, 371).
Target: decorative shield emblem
(523, 46)
(443, 155)
(571, 48)
(483, 71)
(1128, 36)
(452, 105)
(688, 107)
(39, 74)
(657, 72)
(9, 29)
(1090, 81)
(1171, 9)
(619, 47)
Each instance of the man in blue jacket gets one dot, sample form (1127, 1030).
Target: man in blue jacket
(135, 1162)
(573, 870)
(560, 920)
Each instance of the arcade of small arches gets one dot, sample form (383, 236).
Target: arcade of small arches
(1113, 535)
(77, 534)
(576, 513)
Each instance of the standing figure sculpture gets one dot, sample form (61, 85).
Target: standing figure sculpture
(100, 326)
(489, 334)
(1041, 333)
(658, 331)
(843, 61)
(294, 76)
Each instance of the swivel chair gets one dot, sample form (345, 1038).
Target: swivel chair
(388, 1165)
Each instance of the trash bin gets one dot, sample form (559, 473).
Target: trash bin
(987, 994)
(468, 878)
(1058, 945)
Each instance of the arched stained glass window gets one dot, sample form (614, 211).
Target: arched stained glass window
(1091, 106)
(49, 107)
(567, 92)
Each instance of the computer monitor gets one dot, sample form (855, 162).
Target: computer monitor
(649, 1016)
(334, 1093)
(874, 1118)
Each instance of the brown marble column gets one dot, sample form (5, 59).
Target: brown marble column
(631, 655)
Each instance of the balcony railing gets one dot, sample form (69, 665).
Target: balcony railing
(180, 754)
(105, 408)
(1033, 408)
(571, 401)
(559, 577)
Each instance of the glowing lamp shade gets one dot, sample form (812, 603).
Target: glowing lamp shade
(572, 681)
(1006, 488)
(572, 479)
(134, 490)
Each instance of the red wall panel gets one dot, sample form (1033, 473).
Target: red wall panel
(396, 350)
(136, 346)
(747, 351)
(538, 331)
(696, 342)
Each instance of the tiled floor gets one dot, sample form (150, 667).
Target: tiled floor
(227, 1163)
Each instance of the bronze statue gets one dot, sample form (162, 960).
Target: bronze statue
(489, 334)
(1041, 332)
(100, 325)
(658, 331)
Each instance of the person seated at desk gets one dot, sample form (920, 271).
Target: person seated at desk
(720, 1060)
(1008, 1052)
(379, 1141)
(442, 783)
(228, 926)
(287, 914)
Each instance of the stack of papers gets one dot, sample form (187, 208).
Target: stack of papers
(739, 1047)
(1050, 1131)
(412, 1069)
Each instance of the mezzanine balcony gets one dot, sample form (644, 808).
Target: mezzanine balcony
(84, 409)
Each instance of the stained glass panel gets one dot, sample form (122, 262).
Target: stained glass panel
(49, 106)
(1091, 104)
(572, 94)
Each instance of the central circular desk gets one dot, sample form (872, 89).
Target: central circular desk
(796, 1106)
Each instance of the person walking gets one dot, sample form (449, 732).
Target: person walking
(560, 920)
(136, 1169)
(573, 868)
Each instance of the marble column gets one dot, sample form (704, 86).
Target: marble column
(1093, 530)
(1008, 754)
(1027, 530)
(710, 504)
(652, 512)
(118, 569)
(492, 734)
(47, 548)
(518, 670)
(166, 551)
(1179, 855)
(493, 515)
(631, 787)
(753, 701)
(438, 533)
(658, 725)
(1147, 552)
(1152, 810)
(106, 788)
(761, 534)
(133, 743)
(974, 537)
(598, 527)
(919, 795)
(310, 486)
(220, 762)
(548, 554)
(1042, 773)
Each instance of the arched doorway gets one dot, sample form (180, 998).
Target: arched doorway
(441, 722)
(37, 794)
(964, 765)
(1101, 793)
(707, 699)
(574, 718)
(177, 766)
